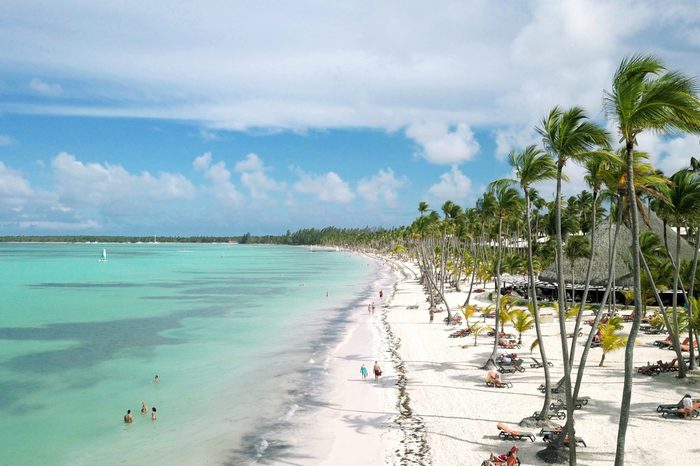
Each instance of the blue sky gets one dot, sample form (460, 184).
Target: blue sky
(225, 118)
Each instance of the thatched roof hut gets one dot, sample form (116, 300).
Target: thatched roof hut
(603, 238)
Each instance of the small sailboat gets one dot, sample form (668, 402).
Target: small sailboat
(104, 255)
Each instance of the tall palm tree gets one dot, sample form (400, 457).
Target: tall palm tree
(683, 203)
(567, 135)
(595, 167)
(506, 201)
(532, 166)
(645, 96)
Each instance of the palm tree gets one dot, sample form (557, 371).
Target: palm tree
(645, 96)
(522, 322)
(683, 205)
(609, 339)
(506, 201)
(422, 207)
(567, 135)
(532, 166)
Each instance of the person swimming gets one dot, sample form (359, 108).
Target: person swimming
(144, 408)
(153, 414)
(128, 417)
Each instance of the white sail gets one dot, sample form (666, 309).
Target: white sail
(104, 255)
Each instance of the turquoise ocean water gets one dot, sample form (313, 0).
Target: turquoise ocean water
(232, 331)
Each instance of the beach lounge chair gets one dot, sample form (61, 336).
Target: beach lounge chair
(685, 346)
(506, 358)
(694, 411)
(663, 343)
(581, 401)
(665, 407)
(669, 366)
(501, 384)
(651, 369)
(508, 344)
(579, 440)
(556, 389)
(515, 366)
(508, 459)
(537, 364)
(561, 415)
(506, 433)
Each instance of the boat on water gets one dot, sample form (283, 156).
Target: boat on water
(103, 258)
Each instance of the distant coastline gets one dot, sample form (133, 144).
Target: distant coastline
(329, 236)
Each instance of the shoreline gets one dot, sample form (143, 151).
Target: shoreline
(436, 409)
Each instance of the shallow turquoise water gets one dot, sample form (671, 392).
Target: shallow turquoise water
(227, 328)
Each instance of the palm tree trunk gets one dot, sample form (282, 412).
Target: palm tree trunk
(562, 328)
(603, 301)
(474, 272)
(692, 288)
(535, 310)
(492, 358)
(602, 360)
(637, 287)
(577, 326)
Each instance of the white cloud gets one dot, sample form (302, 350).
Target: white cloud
(453, 186)
(5, 140)
(253, 177)
(441, 145)
(669, 154)
(251, 163)
(382, 186)
(386, 65)
(514, 138)
(60, 226)
(328, 187)
(202, 162)
(44, 88)
(208, 135)
(112, 186)
(14, 188)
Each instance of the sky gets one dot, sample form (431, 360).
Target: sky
(220, 117)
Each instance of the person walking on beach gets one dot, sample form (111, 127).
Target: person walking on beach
(381, 294)
(144, 408)
(377, 371)
(153, 414)
(432, 314)
(369, 308)
(128, 417)
(363, 371)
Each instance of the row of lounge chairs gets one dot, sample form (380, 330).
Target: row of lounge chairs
(659, 367)
(668, 343)
(548, 435)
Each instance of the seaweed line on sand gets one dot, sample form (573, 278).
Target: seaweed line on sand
(413, 447)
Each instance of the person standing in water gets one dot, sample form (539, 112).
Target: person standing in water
(156, 379)
(363, 371)
(153, 414)
(144, 408)
(128, 417)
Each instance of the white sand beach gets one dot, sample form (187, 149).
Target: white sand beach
(453, 414)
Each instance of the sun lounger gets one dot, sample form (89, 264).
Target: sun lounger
(501, 384)
(685, 346)
(682, 412)
(663, 343)
(669, 366)
(561, 415)
(508, 344)
(537, 364)
(511, 368)
(580, 403)
(506, 433)
(579, 440)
